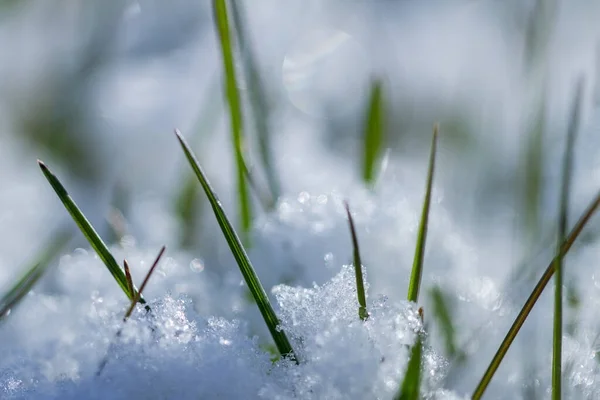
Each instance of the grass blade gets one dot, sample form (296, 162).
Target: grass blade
(360, 286)
(128, 276)
(417, 268)
(89, 232)
(18, 291)
(373, 136)
(533, 297)
(131, 307)
(442, 313)
(235, 108)
(258, 100)
(138, 294)
(562, 231)
(412, 378)
(242, 259)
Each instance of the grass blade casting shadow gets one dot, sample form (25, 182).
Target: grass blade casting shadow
(89, 232)
(136, 298)
(417, 268)
(412, 378)
(533, 297)
(360, 286)
(373, 132)
(235, 108)
(18, 291)
(242, 259)
(562, 232)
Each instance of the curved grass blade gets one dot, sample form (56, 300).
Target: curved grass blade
(562, 232)
(235, 108)
(136, 298)
(533, 297)
(417, 268)
(373, 135)
(242, 259)
(89, 232)
(360, 286)
(412, 378)
(258, 101)
(18, 291)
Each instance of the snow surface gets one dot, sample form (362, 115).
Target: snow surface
(205, 339)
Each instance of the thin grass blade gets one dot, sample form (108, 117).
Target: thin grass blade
(242, 259)
(18, 291)
(138, 294)
(258, 100)
(130, 309)
(562, 232)
(533, 297)
(128, 276)
(373, 135)
(89, 232)
(412, 378)
(417, 268)
(235, 108)
(443, 315)
(360, 286)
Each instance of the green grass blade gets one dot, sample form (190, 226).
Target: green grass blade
(373, 135)
(360, 286)
(89, 232)
(242, 259)
(562, 232)
(417, 268)
(18, 291)
(258, 100)
(235, 108)
(412, 378)
(442, 313)
(533, 297)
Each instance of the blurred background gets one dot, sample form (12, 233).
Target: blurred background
(96, 90)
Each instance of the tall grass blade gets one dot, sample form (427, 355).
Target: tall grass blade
(417, 268)
(258, 100)
(242, 259)
(235, 108)
(18, 291)
(360, 286)
(562, 232)
(89, 232)
(131, 307)
(412, 378)
(533, 297)
(373, 135)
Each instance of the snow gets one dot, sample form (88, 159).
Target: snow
(460, 63)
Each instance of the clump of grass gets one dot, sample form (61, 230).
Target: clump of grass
(235, 108)
(533, 297)
(90, 233)
(134, 301)
(417, 268)
(373, 133)
(242, 259)
(562, 231)
(20, 288)
(411, 384)
(360, 286)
